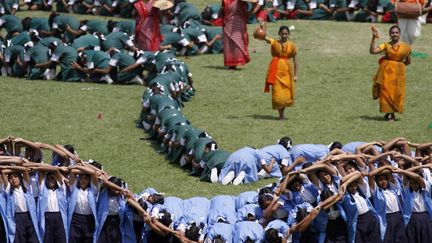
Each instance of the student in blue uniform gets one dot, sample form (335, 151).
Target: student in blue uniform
(417, 206)
(248, 231)
(3, 226)
(21, 215)
(311, 152)
(242, 167)
(112, 225)
(387, 199)
(280, 152)
(82, 214)
(276, 231)
(221, 230)
(52, 206)
(222, 206)
(362, 221)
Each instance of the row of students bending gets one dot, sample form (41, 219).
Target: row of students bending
(344, 197)
(88, 57)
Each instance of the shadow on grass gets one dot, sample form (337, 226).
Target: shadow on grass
(373, 118)
(216, 67)
(263, 117)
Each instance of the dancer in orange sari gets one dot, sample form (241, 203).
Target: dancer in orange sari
(235, 36)
(389, 81)
(281, 73)
(147, 33)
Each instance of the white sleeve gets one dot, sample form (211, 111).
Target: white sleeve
(263, 162)
(275, 3)
(55, 26)
(113, 62)
(129, 42)
(146, 104)
(55, 57)
(84, 28)
(90, 65)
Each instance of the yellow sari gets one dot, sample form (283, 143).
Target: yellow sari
(280, 74)
(389, 81)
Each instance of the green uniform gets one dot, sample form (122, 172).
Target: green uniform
(39, 24)
(119, 61)
(187, 12)
(97, 59)
(62, 8)
(213, 159)
(48, 40)
(108, 3)
(166, 28)
(11, 24)
(17, 70)
(36, 55)
(319, 13)
(65, 55)
(95, 26)
(60, 23)
(118, 40)
(302, 5)
(126, 8)
(9, 5)
(81, 8)
(126, 26)
(86, 41)
(341, 16)
(10, 55)
(20, 39)
(199, 147)
(211, 33)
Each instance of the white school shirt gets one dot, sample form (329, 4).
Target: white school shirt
(20, 201)
(361, 203)
(113, 206)
(82, 205)
(418, 203)
(392, 205)
(306, 195)
(333, 213)
(52, 205)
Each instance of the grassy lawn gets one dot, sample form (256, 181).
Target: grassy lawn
(333, 102)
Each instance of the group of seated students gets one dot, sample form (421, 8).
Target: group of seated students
(360, 192)
(339, 10)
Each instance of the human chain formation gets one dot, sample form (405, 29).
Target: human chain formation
(360, 192)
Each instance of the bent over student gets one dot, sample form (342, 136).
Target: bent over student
(20, 205)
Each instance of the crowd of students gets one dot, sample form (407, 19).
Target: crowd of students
(358, 192)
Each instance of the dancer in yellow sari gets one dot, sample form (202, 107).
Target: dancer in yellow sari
(389, 81)
(282, 71)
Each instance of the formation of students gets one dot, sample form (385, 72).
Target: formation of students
(358, 192)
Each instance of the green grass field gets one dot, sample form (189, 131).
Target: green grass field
(333, 102)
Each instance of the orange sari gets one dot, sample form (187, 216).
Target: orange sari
(280, 74)
(389, 81)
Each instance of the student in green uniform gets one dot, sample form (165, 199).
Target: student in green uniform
(59, 24)
(39, 4)
(66, 56)
(92, 26)
(11, 6)
(87, 41)
(37, 23)
(213, 161)
(125, 8)
(35, 55)
(62, 6)
(107, 7)
(126, 26)
(368, 11)
(201, 147)
(210, 14)
(93, 60)
(341, 9)
(172, 40)
(184, 11)
(117, 63)
(84, 7)
(11, 24)
(20, 39)
(324, 10)
(214, 40)
(304, 8)
(118, 40)
(10, 55)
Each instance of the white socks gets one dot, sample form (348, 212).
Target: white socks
(263, 174)
(228, 178)
(214, 176)
(239, 179)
